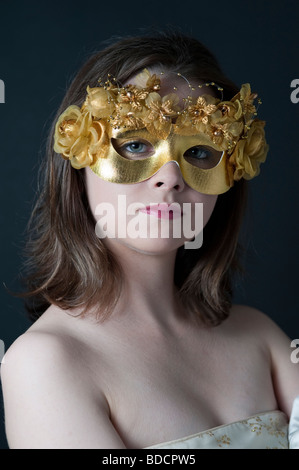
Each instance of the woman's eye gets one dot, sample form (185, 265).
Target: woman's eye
(197, 152)
(134, 149)
(203, 157)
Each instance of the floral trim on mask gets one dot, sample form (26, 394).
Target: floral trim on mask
(83, 134)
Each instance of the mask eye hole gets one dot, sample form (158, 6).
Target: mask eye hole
(133, 149)
(203, 156)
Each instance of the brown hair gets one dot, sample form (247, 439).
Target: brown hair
(67, 265)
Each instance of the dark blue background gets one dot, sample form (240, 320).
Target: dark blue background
(42, 44)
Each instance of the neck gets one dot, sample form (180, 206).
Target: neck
(149, 287)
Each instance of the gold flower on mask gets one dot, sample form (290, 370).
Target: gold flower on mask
(200, 112)
(133, 96)
(246, 99)
(161, 111)
(153, 83)
(196, 117)
(148, 81)
(250, 152)
(78, 138)
(99, 102)
(125, 117)
(228, 111)
(225, 135)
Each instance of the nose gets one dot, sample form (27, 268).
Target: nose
(168, 177)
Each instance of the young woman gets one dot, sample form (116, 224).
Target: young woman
(135, 341)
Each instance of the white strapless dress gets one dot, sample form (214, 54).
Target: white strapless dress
(267, 430)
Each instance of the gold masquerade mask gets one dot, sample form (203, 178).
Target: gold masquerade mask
(126, 134)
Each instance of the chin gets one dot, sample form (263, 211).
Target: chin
(153, 246)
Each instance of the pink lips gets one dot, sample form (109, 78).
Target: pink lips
(163, 211)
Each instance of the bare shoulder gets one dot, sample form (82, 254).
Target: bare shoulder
(253, 328)
(40, 346)
(50, 398)
(258, 329)
(248, 314)
(254, 321)
(36, 351)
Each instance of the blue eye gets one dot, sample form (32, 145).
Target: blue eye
(198, 152)
(202, 156)
(135, 147)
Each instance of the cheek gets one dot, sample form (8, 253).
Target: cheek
(208, 207)
(208, 201)
(108, 201)
(99, 191)
(93, 189)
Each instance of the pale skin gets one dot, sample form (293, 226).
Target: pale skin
(149, 373)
